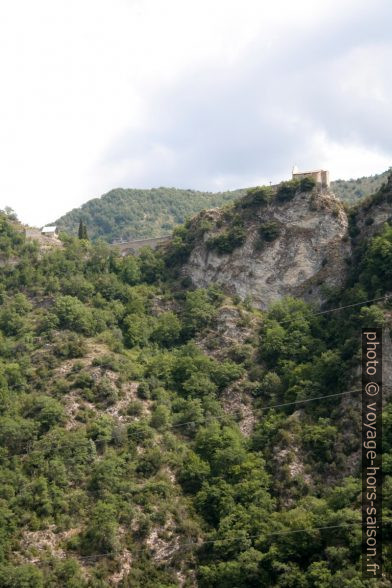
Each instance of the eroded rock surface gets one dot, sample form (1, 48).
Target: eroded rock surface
(308, 254)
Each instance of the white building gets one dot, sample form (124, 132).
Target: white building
(50, 231)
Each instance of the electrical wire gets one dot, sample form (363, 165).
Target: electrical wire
(386, 298)
(198, 544)
(205, 419)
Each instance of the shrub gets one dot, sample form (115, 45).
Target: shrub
(307, 184)
(193, 473)
(46, 410)
(83, 380)
(287, 190)
(70, 345)
(160, 417)
(26, 576)
(130, 270)
(101, 533)
(320, 439)
(229, 240)
(135, 408)
(167, 330)
(257, 196)
(105, 392)
(139, 432)
(269, 231)
(137, 330)
(149, 462)
(151, 265)
(74, 315)
(198, 312)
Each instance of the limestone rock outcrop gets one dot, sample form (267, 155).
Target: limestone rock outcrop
(307, 254)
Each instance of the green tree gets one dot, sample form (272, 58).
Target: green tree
(21, 576)
(101, 533)
(198, 311)
(167, 330)
(82, 231)
(74, 315)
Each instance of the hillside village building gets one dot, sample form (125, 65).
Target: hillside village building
(49, 231)
(320, 176)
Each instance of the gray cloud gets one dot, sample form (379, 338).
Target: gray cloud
(254, 119)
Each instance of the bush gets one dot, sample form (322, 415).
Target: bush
(287, 190)
(229, 239)
(160, 417)
(139, 432)
(257, 196)
(137, 330)
(130, 270)
(307, 184)
(46, 410)
(377, 262)
(269, 231)
(70, 345)
(74, 315)
(149, 462)
(135, 408)
(21, 576)
(320, 439)
(194, 472)
(198, 312)
(167, 330)
(105, 392)
(101, 533)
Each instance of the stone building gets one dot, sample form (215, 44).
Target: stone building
(320, 176)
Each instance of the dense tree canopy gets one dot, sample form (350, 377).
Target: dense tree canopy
(137, 446)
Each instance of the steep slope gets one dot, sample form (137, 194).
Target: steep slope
(155, 434)
(294, 244)
(133, 214)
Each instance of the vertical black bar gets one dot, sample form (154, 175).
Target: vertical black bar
(372, 453)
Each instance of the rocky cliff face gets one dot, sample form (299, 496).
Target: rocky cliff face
(297, 247)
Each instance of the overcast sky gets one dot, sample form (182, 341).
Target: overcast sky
(203, 94)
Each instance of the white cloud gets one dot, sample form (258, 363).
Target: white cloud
(101, 93)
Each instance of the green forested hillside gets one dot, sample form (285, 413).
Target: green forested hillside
(137, 449)
(134, 214)
(352, 191)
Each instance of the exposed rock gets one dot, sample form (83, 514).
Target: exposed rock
(45, 242)
(309, 252)
(35, 543)
(232, 326)
(238, 403)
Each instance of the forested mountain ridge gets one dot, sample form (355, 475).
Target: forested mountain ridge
(134, 214)
(137, 446)
(353, 191)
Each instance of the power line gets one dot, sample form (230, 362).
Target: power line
(273, 406)
(198, 544)
(386, 298)
(205, 419)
